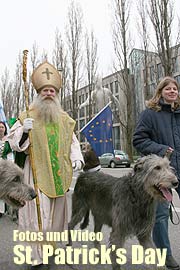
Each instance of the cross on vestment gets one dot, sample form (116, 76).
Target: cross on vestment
(47, 72)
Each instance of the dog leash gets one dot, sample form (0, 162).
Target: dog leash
(171, 208)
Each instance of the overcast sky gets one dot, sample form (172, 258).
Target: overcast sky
(22, 22)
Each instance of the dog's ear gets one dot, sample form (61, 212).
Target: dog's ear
(139, 164)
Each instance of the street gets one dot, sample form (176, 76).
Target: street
(7, 226)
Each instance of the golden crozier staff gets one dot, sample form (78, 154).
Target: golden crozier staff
(26, 93)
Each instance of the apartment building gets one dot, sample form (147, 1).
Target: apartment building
(146, 79)
(143, 82)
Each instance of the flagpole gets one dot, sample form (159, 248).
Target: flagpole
(96, 116)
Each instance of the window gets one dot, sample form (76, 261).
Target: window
(111, 87)
(116, 137)
(152, 73)
(82, 123)
(82, 98)
(81, 113)
(152, 89)
(177, 78)
(144, 75)
(174, 65)
(116, 87)
(82, 137)
(107, 155)
(67, 105)
(159, 71)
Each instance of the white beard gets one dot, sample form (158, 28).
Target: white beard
(49, 109)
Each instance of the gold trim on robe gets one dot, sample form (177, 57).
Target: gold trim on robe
(54, 173)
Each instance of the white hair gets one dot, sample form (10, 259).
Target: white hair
(49, 108)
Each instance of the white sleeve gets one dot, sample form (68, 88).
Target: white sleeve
(15, 136)
(76, 150)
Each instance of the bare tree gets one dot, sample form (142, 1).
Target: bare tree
(60, 62)
(18, 90)
(12, 91)
(74, 42)
(44, 56)
(91, 62)
(120, 32)
(34, 62)
(143, 31)
(161, 15)
(7, 96)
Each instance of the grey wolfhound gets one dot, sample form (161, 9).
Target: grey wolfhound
(127, 204)
(12, 189)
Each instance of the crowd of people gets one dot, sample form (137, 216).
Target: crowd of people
(45, 146)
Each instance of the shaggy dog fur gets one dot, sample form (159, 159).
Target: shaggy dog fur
(127, 204)
(12, 189)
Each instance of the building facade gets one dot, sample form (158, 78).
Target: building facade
(145, 71)
(148, 73)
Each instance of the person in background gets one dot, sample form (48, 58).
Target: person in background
(158, 132)
(91, 160)
(5, 152)
(56, 153)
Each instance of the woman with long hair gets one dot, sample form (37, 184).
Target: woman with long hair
(158, 132)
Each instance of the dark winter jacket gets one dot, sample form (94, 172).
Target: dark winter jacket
(156, 131)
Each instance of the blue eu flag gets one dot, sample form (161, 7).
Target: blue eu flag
(98, 132)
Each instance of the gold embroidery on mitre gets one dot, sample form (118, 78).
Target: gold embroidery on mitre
(46, 75)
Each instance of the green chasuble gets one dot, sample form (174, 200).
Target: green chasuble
(51, 146)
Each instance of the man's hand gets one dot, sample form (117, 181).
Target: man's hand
(77, 165)
(27, 124)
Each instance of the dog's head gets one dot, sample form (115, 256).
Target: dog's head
(157, 176)
(12, 188)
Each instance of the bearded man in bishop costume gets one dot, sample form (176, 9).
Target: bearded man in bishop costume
(55, 151)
